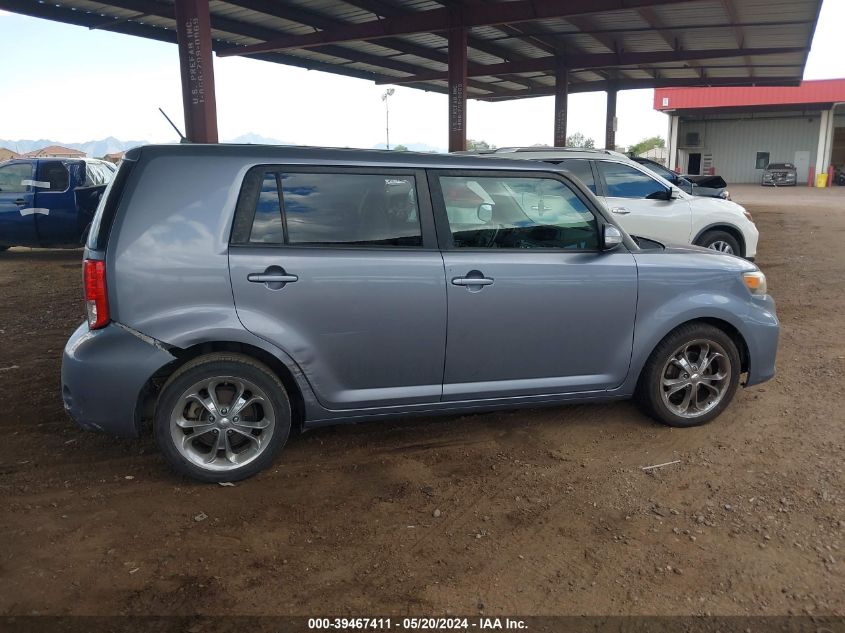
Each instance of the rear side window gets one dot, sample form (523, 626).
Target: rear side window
(330, 209)
(57, 175)
(624, 181)
(104, 217)
(581, 170)
(267, 226)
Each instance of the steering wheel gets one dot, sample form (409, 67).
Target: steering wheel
(491, 242)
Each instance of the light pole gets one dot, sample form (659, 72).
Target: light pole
(384, 97)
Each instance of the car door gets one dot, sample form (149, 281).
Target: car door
(56, 223)
(17, 221)
(340, 269)
(534, 306)
(639, 203)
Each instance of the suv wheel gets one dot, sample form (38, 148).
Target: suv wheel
(222, 417)
(721, 241)
(691, 376)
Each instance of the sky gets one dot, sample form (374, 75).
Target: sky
(77, 85)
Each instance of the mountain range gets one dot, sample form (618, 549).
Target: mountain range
(111, 145)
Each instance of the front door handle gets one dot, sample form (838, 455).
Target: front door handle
(620, 211)
(266, 278)
(20, 202)
(473, 281)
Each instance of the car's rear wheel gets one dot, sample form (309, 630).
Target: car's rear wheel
(721, 241)
(222, 417)
(691, 376)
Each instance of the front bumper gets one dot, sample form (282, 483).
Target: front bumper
(103, 373)
(761, 335)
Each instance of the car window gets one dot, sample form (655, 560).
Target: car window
(581, 169)
(56, 174)
(334, 209)
(12, 177)
(524, 213)
(97, 174)
(267, 226)
(661, 171)
(624, 181)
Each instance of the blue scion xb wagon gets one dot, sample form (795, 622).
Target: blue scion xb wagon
(236, 292)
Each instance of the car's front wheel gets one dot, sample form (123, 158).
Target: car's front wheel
(691, 376)
(222, 417)
(721, 241)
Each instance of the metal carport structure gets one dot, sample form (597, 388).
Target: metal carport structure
(469, 49)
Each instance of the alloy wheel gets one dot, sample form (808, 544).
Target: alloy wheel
(722, 247)
(222, 423)
(695, 378)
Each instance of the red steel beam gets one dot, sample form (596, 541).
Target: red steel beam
(457, 90)
(600, 60)
(193, 31)
(472, 14)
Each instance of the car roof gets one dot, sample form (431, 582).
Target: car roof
(300, 155)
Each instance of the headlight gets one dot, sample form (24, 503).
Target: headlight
(755, 281)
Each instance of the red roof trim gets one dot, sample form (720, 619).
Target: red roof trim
(822, 91)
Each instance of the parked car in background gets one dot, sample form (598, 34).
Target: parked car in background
(649, 206)
(236, 292)
(707, 186)
(49, 201)
(780, 175)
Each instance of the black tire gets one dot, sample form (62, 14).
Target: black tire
(720, 237)
(221, 365)
(650, 386)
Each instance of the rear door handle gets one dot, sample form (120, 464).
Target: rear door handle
(472, 281)
(20, 202)
(268, 278)
(620, 211)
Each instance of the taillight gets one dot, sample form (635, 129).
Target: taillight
(96, 297)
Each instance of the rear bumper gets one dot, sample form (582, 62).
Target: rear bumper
(761, 336)
(103, 373)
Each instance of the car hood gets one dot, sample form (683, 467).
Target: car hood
(714, 182)
(733, 262)
(716, 205)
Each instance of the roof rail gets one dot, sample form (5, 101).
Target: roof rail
(546, 148)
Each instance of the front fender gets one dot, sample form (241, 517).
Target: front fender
(689, 290)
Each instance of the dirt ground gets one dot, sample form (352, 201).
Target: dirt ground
(540, 512)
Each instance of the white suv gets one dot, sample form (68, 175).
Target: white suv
(648, 206)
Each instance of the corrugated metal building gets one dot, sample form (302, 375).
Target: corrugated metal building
(736, 132)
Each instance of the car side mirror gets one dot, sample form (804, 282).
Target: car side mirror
(660, 194)
(674, 193)
(485, 212)
(611, 237)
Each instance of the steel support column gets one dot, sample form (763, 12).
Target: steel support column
(193, 29)
(561, 96)
(610, 124)
(457, 89)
